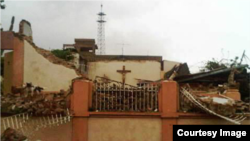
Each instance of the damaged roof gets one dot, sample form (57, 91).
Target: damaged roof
(222, 72)
(85, 43)
(122, 57)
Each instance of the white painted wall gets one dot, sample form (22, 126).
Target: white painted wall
(27, 31)
(168, 65)
(42, 72)
(149, 70)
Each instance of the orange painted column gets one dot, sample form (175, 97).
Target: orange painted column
(80, 106)
(18, 62)
(169, 106)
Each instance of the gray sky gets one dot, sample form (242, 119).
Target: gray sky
(189, 31)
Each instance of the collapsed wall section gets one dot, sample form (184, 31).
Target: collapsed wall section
(43, 72)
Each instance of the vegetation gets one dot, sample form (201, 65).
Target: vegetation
(63, 54)
(215, 64)
(212, 65)
(1, 4)
(1, 29)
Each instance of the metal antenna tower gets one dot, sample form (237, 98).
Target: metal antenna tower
(101, 32)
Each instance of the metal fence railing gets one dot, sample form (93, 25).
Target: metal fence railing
(111, 95)
(27, 124)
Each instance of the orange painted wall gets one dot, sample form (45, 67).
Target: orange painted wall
(85, 127)
(112, 126)
(79, 106)
(124, 129)
(55, 133)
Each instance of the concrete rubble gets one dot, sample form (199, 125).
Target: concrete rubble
(212, 90)
(213, 99)
(33, 100)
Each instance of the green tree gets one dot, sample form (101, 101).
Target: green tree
(1, 4)
(1, 29)
(212, 65)
(63, 54)
(215, 64)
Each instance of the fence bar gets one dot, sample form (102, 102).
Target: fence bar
(120, 98)
(113, 96)
(104, 107)
(132, 89)
(4, 125)
(152, 94)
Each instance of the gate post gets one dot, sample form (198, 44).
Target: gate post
(80, 106)
(169, 103)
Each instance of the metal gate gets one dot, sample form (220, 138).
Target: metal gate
(110, 95)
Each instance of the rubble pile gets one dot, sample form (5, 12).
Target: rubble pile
(12, 135)
(219, 105)
(33, 100)
(242, 106)
(214, 99)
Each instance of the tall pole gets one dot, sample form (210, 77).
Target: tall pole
(243, 55)
(101, 32)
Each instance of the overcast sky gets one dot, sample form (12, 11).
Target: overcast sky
(189, 31)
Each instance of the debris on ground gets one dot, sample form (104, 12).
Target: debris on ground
(215, 99)
(236, 78)
(212, 109)
(34, 100)
(12, 135)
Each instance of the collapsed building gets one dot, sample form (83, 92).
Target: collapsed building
(124, 68)
(25, 63)
(28, 70)
(142, 94)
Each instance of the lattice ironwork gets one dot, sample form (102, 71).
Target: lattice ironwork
(110, 95)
